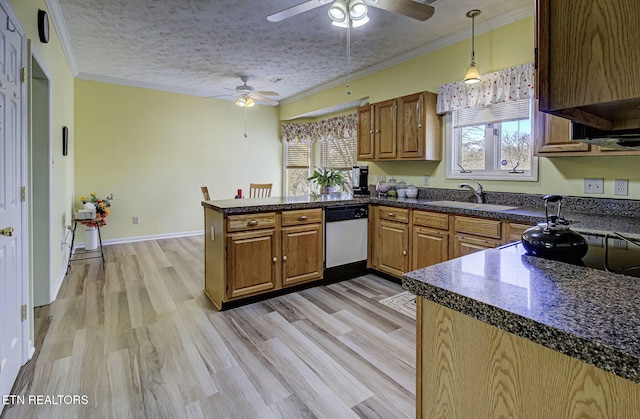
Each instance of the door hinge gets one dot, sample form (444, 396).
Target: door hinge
(23, 193)
(23, 74)
(23, 312)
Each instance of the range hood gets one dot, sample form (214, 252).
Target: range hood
(627, 139)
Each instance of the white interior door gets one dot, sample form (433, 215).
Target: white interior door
(12, 206)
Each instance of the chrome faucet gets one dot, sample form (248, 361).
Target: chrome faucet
(477, 193)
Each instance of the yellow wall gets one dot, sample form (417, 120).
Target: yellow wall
(153, 150)
(506, 46)
(52, 58)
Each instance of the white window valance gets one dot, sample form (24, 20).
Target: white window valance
(337, 128)
(512, 83)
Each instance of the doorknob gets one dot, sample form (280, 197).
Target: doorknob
(7, 231)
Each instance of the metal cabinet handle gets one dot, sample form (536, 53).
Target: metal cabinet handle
(252, 223)
(391, 214)
(275, 259)
(302, 218)
(284, 258)
(8, 231)
(404, 253)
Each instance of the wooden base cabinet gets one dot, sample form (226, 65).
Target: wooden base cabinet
(301, 254)
(251, 267)
(429, 239)
(393, 240)
(250, 254)
(470, 369)
(475, 234)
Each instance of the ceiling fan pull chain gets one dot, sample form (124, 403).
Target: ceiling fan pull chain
(348, 56)
(245, 122)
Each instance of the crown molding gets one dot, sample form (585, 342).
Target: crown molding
(57, 18)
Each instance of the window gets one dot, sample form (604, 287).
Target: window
(297, 166)
(492, 142)
(340, 154)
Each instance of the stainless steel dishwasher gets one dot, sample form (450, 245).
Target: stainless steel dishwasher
(345, 241)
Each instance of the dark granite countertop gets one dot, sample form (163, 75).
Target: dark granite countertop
(587, 314)
(595, 215)
(246, 206)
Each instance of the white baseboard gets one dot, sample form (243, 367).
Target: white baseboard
(145, 238)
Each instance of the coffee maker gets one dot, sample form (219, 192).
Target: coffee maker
(360, 180)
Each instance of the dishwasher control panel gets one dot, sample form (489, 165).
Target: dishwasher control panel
(346, 212)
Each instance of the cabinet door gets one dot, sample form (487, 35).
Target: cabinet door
(385, 129)
(365, 133)
(553, 136)
(302, 254)
(428, 247)
(251, 267)
(393, 241)
(411, 139)
(465, 245)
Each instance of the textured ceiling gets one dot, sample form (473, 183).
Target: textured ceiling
(202, 47)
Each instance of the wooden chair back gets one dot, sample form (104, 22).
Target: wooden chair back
(260, 190)
(205, 193)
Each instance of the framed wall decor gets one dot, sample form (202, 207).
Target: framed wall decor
(65, 141)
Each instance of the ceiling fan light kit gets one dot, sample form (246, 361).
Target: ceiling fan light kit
(245, 102)
(472, 76)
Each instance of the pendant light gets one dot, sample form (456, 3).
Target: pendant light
(472, 76)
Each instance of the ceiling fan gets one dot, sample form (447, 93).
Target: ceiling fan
(342, 12)
(248, 96)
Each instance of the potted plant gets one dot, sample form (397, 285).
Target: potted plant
(327, 179)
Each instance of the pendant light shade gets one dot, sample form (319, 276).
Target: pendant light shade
(472, 76)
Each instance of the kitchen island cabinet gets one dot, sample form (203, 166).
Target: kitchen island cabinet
(524, 337)
(250, 254)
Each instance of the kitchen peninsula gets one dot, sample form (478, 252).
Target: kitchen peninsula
(503, 334)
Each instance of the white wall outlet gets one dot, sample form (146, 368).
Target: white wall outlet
(593, 240)
(621, 187)
(425, 181)
(593, 185)
(136, 220)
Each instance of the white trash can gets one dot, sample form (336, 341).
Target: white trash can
(90, 238)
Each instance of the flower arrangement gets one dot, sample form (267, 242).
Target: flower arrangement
(101, 205)
(327, 178)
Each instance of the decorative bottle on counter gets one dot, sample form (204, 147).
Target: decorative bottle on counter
(239, 194)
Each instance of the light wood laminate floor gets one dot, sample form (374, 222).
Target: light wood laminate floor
(140, 339)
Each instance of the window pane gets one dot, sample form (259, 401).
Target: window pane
(297, 183)
(515, 145)
(472, 147)
(297, 155)
(339, 154)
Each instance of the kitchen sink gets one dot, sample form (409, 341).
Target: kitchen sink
(471, 205)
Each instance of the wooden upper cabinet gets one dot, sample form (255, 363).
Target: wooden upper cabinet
(365, 132)
(553, 136)
(588, 58)
(384, 129)
(405, 128)
(419, 128)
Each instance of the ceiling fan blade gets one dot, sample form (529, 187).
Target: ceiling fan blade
(257, 96)
(407, 8)
(268, 93)
(296, 10)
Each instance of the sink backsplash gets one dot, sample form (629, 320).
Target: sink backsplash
(604, 206)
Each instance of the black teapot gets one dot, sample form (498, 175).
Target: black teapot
(553, 239)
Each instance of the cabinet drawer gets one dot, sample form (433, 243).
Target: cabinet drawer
(400, 215)
(251, 221)
(431, 219)
(296, 217)
(478, 226)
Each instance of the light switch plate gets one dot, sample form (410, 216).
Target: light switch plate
(594, 185)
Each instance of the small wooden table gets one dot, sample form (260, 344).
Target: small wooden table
(74, 255)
